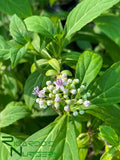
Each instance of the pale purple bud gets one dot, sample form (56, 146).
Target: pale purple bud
(64, 75)
(86, 103)
(36, 91)
(41, 102)
(41, 94)
(66, 108)
(57, 99)
(48, 83)
(73, 91)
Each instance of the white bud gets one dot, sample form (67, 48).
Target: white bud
(65, 96)
(88, 94)
(73, 91)
(83, 87)
(41, 102)
(50, 95)
(75, 81)
(51, 87)
(37, 100)
(68, 102)
(48, 83)
(65, 91)
(66, 108)
(54, 91)
(48, 102)
(45, 88)
(57, 105)
(69, 80)
(82, 112)
(80, 101)
(72, 86)
(75, 113)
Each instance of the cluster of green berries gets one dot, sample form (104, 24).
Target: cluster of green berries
(63, 95)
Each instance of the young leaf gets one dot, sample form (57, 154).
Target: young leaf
(88, 66)
(51, 72)
(107, 88)
(109, 154)
(55, 64)
(84, 13)
(17, 53)
(20, 7)
(42, 25)
(60, 140)
(13, 112)
(35, 79)
(18, 30)
(4, 49)
(9, 84)
(109, 135)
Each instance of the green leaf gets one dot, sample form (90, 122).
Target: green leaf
(59, 138)
(13, 112)
(110, 25)
(88, 66)
(4, 49)
(71, 56)
(18, 30)
(109, 154)
(84, 13)
(42, 25)
(107, 89)
(17, 53)
(35, 79)
(51, 72)
(55, 64)
(5, 149)
(9, 84)
(109, 135)
(67, 72)
(20, 7)
(109, 114)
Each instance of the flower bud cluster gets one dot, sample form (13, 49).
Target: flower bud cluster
(63, 95)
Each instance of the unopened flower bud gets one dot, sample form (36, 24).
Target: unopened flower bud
(65, 96)
(82, 112)
(44, 106)
(51, 87)
(49, 103)
(64, 75)
(54, 91)
(73, 91)
(50, 95)
(37, 100)
(48, 83)
(83, 87)
(80, 101)
(72, 86)
(41, 102)
(86, 103)
(45, 89)
(57, 99)
(69, 81)
(68, 102)
(65, 91)
(57, 105)
(75, 113)
(66, 108)
(75, 81)
(85, 96)
(88, 94)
